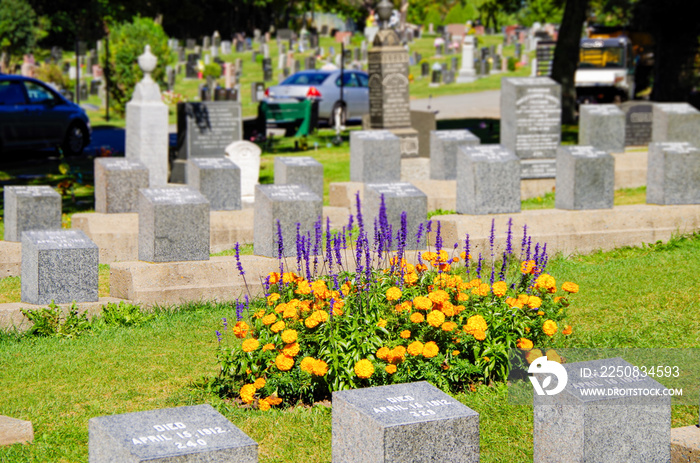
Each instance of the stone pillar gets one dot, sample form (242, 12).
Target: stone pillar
(467, 72)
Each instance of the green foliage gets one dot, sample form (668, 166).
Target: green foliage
(122, 314)
(511, 63)
(49, 72)
(127, 42)
(456, 15)
(212, 70)
(18, 32)
(541, 11)
(50, 321)
(433, 16)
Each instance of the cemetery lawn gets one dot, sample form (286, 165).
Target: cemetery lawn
(630, 297)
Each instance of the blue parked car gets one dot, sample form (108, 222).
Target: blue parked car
(33, 115)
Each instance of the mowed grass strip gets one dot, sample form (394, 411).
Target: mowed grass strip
(631, 297)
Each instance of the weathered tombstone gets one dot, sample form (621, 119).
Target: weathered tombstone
(375, 156)
(206, 42)
(673, 173)
(311, 62)
(59, 266)
(425, 69)
(218, 179)
(147, 124)
(173, 225)
(578, 424)
(444, 145)
(676, 122)
(190, 44)
(402, 423)
(286, 205)
(246, 156)
(190, 434)
(585, 178)
(117, 184)
(299, 170)
(436, 77)
(488, 180)
(448, 77)
(398, 197)
(225, 47)
(602, 126)
(191, 71)
(257, 91)
(638, 122)
(424, 122)
(30, 208)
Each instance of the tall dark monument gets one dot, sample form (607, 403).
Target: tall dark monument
(389, 106)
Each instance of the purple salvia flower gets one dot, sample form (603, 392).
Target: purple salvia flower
(537, 255)
(478, 266)
(529, 242)
(266, 285)
(493, 273)
(509, 237)
(307, 255)
(430, 227)
(225, 323)
(350, 222)
(419, 233)
(504, 266)
(523, 243)
(545, 257)
(466, 252)
(329, 245)
(438, 238)
(492, 236)
(360, 221)
(300, 248)
(218, 336)
(336, 247)
(368, 264)
(238, 260)
(318, 235)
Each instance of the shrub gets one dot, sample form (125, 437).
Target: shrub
(52, 73)
(127, 42)
(51, 322)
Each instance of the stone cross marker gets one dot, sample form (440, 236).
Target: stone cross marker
(299, 170)
(191, 434)
(59, 266)
(375, 156)
(117, 184)
(572, 427)
(173, 225)
(444, 145)
(218, 179)
(675, 122)
(30, 208)
(603, 127)
(585, 178)
(403, 423)
(488, 180)
(398, 198)
(673, 173)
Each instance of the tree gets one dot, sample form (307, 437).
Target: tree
(18, 32)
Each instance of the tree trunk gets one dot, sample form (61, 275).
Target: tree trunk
(566, 56)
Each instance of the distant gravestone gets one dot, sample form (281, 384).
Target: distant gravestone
(444, 145)
(673, 173)
(603, 127)
(488, 180)
(638, 122)
(398, 197)
(531, 116)
(424, 123)
(578, 425)
(59, 266)
(218, 179)
(257, 91)
(287, 205)
(30, 208)
(246, 156)
(375, 156)
(117, 184)
(585, 178)
(173, 225)
(205, 129)
(191, 434)
(299, 170)
(412, 422)
(676, 122)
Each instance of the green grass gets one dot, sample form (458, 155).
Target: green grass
(630, 297)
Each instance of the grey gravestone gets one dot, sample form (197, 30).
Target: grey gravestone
(257, 91)
(289, 205)
(488, 180)
(117, 184)
(173, 225)
(218, 179)
(375, 156)
(398, 198)
(30, 208)
(585, 178)
(413, 422)
(205, 129)
(444, 145)
(638, 122)
(676, 122)
(59, 266)
(299, 170)
(572, 427)
(602, 126)
(192, 434)
(538, 168)
(673, 173)
(531, 116)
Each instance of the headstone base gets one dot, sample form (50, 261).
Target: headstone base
(685, 444)
(14, 431)
(466, 76)
(409, 141)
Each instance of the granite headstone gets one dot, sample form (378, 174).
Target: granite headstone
(444, 145)
(30, 208)
(488, 180)
(299, 170)
(676, 122)
(117, 184)
(218, 179)
(585, 178)
(673, 173)
(602, 126)
(375, 156)
(398, 198)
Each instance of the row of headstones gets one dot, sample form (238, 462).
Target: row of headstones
(415, 422)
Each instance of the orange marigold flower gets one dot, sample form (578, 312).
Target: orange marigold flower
(475, 323)
(499, 288)
(268, 346)
(391, 369)
(383, 353)
(303, 288)
(405, 334)
(281, 307)
(524, 343)
(345, 288)
(274, 400)
(393, 294)
(465, 256)
(269, 319)
(277, 327)
(534, 302)
(429, 256)
(284, 362)
(259, 314)
(479, 335)
(263, 405)
(448, 326)
(397, 354)
(455, 353)
(448, 309)
(274, 277)
(438, 296)
(381, 323)
(546, 282)
(291, 350)
(247, 393)
(272, 298)
(289, 336)
(259, 383)
(567, 330)
(289, 277)
(435, 318)
(240, 330)
(553, 356)
(290, 312)
(410, 278)
(533, 355)
(417, 317)
(422, 303)
(307, 365)
(421, 268)
(482, 290)
(249, 345)
(540, 313)
(549, 327)
(462, 297)
(570, 287)
(415, 348)
(430, 349)
(558, 298)
(528, 266)
(364, 368)
(320, 368)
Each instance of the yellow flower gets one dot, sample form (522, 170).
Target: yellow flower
(405, 334)
(240, 330)
(289, 336)
(247, 393)
(381, 323)
(393, 294)
(430, 349)
(465, 256)
(417, 317)
(274, 277)
(397, 355)
(303, 288)
(404, 306)
(320, 368)
(479, 335)
(259, 314)
(249, 345)
(268, 346)
(546, 282)
(448, 326)
(549, 327)
(291, 349)
(415, 348)
(528, 266)
(383, 353)
(269, 319)
(391, 369)
(524, 343)
(475, 323)
(263, 405)
(553, 356)
(567, 330)
(289, 277)
(259, 383)
(435, 318)
(448, 309)
(429, 256)
(439, 296)
(532, 355)
(481, 290)
(277, 327)
(345, 288)
(540, 313)
(307, 365)
(274, 400)
(364, 368)
(410, 278)
(499, 288)
(455, 353)
(272, 298)
(422, 303)
(534, 302)
(570, 287)
(284, 362)
(462, 297)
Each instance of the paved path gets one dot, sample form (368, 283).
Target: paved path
(467, 105)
